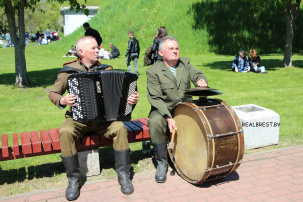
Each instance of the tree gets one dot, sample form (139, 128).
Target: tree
(17, 31)
(291, 9)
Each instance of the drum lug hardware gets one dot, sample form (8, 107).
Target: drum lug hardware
(224, 134)
(219, 167)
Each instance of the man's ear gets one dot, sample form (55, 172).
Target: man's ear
(81, 52)
(160, 52)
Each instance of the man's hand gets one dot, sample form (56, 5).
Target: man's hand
(202, 83)
(171, 124)
(133, 99)
(236, 69)
(69, 99)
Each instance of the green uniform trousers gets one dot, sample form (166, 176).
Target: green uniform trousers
(158, 129)
(71, 131)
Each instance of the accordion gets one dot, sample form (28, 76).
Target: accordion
(102, 96)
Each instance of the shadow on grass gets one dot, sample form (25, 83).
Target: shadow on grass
(269, 64)
(48, 170)
(41, 78)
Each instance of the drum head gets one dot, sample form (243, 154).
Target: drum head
(190, 155)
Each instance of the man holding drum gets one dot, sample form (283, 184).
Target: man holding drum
(71, 131)
(167, 81)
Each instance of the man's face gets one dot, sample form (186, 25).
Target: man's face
(89, 52)
(242, 54)
(170, 51)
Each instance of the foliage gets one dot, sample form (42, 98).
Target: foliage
(236, 24)
(46, 16)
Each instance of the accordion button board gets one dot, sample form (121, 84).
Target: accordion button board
(102, 96)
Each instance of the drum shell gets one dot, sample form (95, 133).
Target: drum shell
(216, 128)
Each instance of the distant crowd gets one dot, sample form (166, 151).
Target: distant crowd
(42, 38)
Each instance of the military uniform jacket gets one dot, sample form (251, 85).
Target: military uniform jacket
(61, 84)
(164, 90)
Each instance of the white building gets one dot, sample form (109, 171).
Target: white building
(73, 20)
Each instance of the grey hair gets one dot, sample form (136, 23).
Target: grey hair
(164, 39)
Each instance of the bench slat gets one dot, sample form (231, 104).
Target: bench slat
(4, 145)
(36, 142)
(143, 121)
(26, 143)
(144, 128)
(16, 146)
(137, 130)
(95, 140)
(46, 142)
(54, 135)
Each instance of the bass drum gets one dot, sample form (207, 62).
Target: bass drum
(209, 142)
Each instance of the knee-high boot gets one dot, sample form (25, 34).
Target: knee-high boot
(72, 168)
(161, 158)
(122, 164)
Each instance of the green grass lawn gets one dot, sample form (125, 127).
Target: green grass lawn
(29, 109)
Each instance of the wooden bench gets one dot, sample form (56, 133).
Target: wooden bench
(33, 144)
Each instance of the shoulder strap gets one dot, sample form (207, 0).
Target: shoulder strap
(104, 67)
(68, 69)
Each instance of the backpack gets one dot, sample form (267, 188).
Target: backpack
(149, 57)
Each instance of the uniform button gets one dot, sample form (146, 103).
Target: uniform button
(179, 91)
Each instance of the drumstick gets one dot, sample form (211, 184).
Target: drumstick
(171, 144)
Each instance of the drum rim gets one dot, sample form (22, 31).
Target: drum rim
(208, 131)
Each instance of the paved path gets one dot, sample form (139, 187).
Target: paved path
(275, 175)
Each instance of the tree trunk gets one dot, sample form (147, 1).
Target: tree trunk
(287, 60)
(291, 12)
(21, 79)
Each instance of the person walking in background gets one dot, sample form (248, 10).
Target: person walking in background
(132, 52)
(47, 35)
(254, 61)
(155, 47)
(115, 51)
(240, 63)
(92, 32)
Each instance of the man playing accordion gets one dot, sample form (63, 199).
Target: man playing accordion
(71, 131)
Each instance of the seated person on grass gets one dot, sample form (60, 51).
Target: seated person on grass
(254, 61)
(240, 63)
(72, 52)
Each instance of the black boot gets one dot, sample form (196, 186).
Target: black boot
(72, 168)
(122, 164)
(161, 158)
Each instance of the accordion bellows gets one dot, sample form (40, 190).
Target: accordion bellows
(102, 96)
